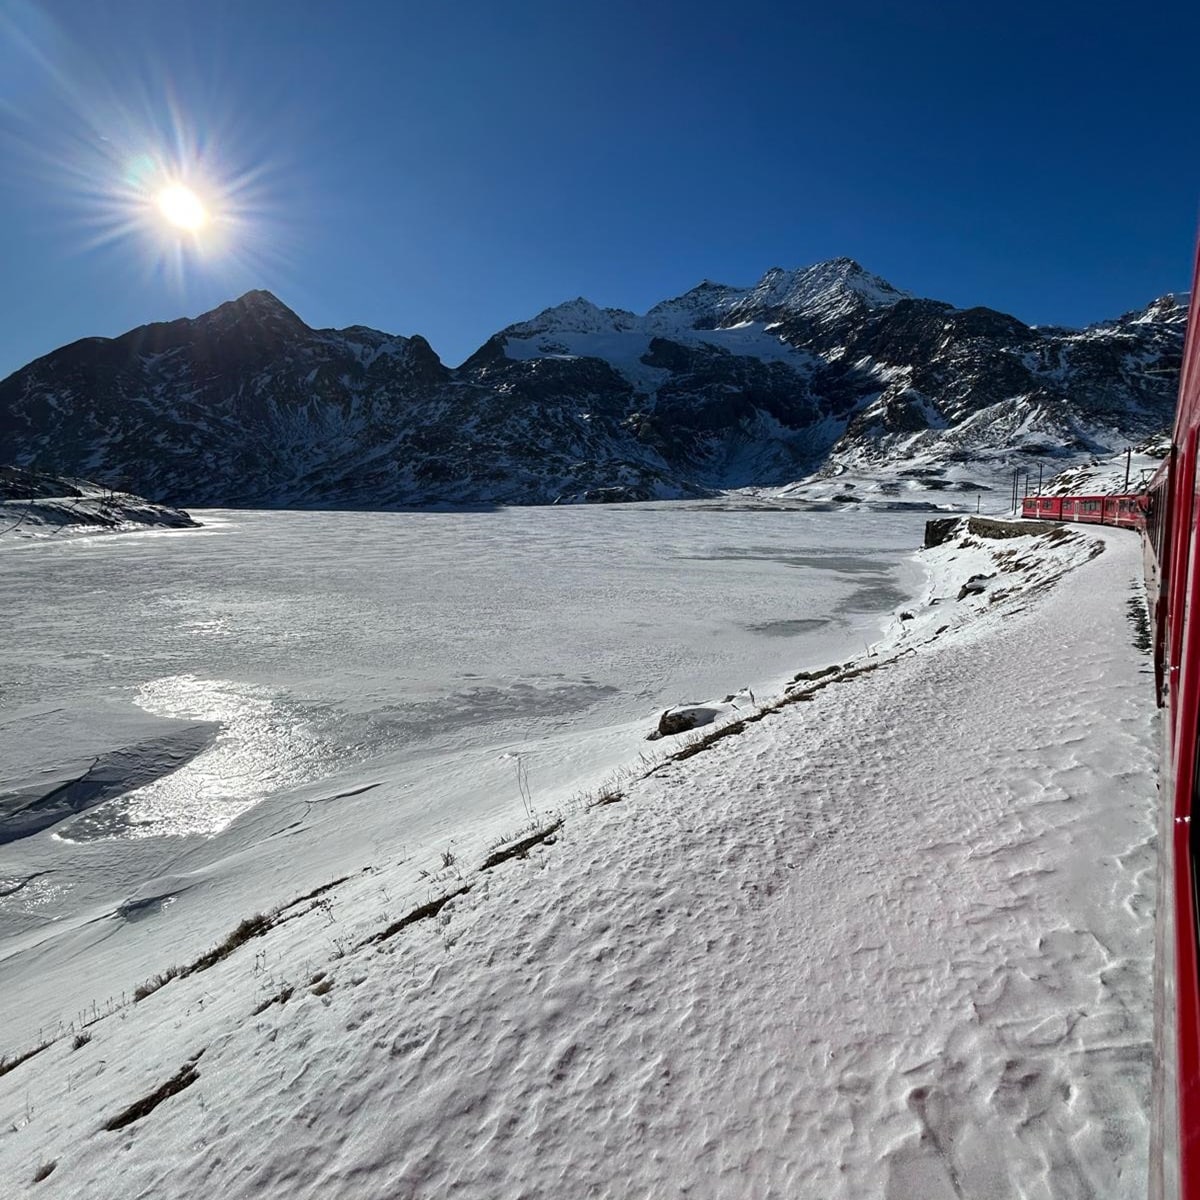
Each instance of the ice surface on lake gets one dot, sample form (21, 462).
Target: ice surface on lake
(313, 639)
(394, 666)
(262, 748)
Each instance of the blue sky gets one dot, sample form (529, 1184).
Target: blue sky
(448, 168)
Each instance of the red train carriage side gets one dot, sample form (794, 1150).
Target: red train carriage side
(1043, 508)
(1173, 580)
(1129, 512)
(1155, 547)
(1126, 510)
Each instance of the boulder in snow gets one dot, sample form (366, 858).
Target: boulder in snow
(683, 718)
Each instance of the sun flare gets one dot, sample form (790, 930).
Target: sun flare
(182, 207)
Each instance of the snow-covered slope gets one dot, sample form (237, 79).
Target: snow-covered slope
(889, 937)
(805, 375)
(1112, 474)
(34, 504)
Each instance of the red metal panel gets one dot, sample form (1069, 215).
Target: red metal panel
(1181, 489)
(1183, 619)
(1184, 714)
(1156, 554)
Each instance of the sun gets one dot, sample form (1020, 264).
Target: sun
(181, 207)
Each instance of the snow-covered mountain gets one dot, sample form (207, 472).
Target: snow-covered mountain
(807, 375)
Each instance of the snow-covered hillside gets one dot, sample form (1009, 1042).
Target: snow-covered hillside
(33, 504)
(930, 477)
(886, 936)
(1108, 475)
(805, 376)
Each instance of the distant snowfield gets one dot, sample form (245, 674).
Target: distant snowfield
(242, 711)
(891, 938)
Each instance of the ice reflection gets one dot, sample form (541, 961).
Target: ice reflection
(31, 891)
(263, 747)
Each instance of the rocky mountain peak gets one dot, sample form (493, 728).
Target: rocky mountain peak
(574, 316)
(255, 323)
(257, 307)
(702, 307)
(1172, 307)
(825, 289)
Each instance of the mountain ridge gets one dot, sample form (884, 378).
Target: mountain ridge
(802, 375)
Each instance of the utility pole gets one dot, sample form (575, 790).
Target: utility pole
(1039, 478)
(1128, 461)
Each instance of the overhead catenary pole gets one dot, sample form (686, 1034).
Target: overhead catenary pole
(1128, 462)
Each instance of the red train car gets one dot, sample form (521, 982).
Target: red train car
(1127, 510)
(1155, 545)
(1044, 508)
(1173, 579)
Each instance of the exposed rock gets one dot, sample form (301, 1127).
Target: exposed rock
(808, 676)
(940, 531)
(987, 528)
(682, 719)
(974, 586)
(945, 528)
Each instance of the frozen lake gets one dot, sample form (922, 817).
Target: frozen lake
(235, 709)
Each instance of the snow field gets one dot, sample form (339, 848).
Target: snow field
(364, 711)
(890, 940)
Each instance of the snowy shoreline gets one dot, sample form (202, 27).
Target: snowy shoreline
(884, 939)
(34, 505)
